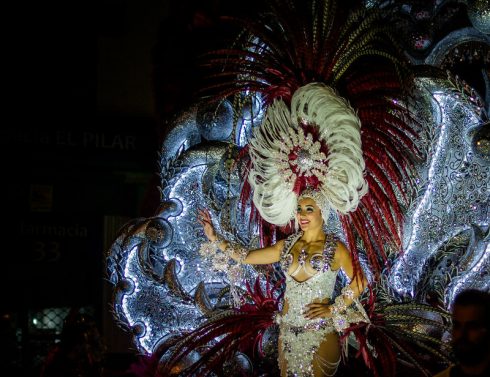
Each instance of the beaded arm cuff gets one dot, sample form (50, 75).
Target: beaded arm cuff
(221, 261)
(236, 250)
(339, 306)
(342, 315)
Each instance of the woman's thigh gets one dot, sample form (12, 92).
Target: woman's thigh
(327, 356)
(283, 366)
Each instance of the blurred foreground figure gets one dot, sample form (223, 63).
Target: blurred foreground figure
(470, 335)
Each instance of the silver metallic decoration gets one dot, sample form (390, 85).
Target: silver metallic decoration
(446, 46)
(161, 286)
(475, 264)
(184, 134)
(454, 185)
(251, 116)
(215, 120)
(479, 14)
(466, 45)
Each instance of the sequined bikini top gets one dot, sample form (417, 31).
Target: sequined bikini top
(320, 262)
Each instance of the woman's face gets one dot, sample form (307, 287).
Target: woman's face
(308, 214)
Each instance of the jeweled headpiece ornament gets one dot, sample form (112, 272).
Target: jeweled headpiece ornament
(323, 71)
(315, 145)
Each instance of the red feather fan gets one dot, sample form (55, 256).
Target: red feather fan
(392, 336)
(229, 331)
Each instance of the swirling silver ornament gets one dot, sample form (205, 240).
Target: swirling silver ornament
(215, 120)
(475, 266)
(162, 286)
(454, 192)
(479, 14)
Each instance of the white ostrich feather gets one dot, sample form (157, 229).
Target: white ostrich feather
(341, 173)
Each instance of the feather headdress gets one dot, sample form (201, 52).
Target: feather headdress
(333, 82)
(316, 145)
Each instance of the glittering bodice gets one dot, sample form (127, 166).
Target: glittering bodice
(317, 287)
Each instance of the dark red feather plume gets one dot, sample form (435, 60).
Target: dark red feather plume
(229, 331)
(385, 340)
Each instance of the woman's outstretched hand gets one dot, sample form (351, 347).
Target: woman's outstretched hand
(205, 220)
(317, 310)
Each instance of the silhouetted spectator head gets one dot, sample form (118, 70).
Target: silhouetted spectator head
(471, 327)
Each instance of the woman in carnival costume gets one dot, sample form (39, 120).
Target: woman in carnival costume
(297, 175)
(313, 63)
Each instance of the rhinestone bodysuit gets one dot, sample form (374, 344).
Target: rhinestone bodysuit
(301, 337)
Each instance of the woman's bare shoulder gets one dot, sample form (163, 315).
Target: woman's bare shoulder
(340, 247)
(341, 254)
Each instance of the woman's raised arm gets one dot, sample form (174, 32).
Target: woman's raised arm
(265, 255)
